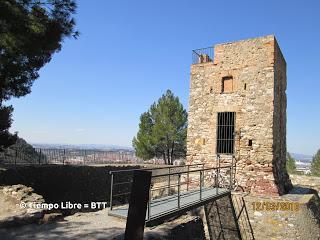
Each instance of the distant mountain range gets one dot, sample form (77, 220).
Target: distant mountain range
(80, 146)
(302, 157)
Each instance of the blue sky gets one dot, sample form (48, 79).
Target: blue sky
(130, 52)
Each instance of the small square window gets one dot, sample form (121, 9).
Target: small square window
(227, 84)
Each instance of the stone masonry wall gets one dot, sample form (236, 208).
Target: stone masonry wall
(259, 101)
(279, 121)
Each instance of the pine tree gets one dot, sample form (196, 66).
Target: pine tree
(315, 164)
(30, 33)
(162, 130)
(291, 164)
(6, 138)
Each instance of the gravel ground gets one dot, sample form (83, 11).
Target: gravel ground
(99, 226)
(93, 225)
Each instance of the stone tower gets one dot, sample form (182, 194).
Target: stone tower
(237, 107)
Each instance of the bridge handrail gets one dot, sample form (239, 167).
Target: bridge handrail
(179, 184)
(191, 171)
(113, 173)
(180, 172)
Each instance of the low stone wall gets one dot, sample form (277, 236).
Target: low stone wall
(306, 181)
(61, 183)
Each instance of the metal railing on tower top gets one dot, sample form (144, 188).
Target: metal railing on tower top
(202, 55)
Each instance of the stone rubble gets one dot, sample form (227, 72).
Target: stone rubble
(16, 213)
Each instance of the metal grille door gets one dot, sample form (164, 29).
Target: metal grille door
(225, 132)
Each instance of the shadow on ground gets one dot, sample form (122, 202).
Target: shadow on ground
(60, 230)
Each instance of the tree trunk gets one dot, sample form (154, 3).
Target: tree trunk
(172, 148)
(168, 156)
(164, 157)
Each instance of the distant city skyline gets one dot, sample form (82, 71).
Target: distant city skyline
(81, 146)
(296, 156)
(95, 89)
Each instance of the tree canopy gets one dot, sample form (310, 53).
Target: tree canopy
(315, 164)
(31, 31)
(291, 164)
(22, 152)
(6, 138)
(162, 130)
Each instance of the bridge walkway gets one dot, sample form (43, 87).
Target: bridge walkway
(164, 207)
(150, 196)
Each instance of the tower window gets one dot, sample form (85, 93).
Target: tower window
(225, 132)
(227, 84)
(250, 143)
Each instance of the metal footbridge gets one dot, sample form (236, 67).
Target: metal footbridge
(149, 196)
(165, 207)
(173, 190)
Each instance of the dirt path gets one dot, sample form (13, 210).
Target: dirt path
(94, 225)
(99, 226)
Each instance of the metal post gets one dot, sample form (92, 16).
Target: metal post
(149, 204)
(233, 162)
(219, 163)
(111, 191)
(138, 203)
(179, 176)
(64, 156)
(40, 157)
(15, 158)
(169, 182)
(188, 178)
(230, 184)
(217, 181)
(201, 176)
